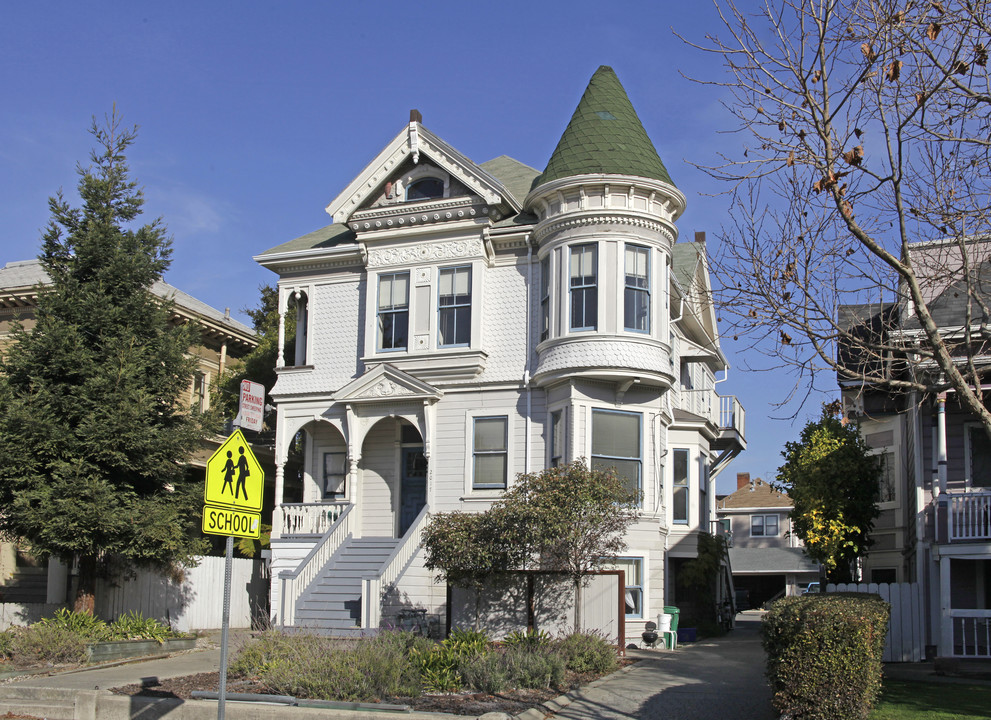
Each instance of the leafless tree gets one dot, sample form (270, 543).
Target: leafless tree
(864, 131)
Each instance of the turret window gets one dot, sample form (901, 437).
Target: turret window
(393, 311)
(584, 287)
(545, 298)
(636, 301)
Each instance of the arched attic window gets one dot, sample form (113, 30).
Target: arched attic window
(427, 188)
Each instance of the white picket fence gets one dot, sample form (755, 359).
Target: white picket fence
(196, 603)
(906, 637)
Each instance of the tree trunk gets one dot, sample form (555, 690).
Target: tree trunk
(578, 604)
(85, 601)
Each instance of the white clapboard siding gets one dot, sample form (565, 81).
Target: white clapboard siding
(905, 641)
(194, 604)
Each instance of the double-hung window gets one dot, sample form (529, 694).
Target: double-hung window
(763, 526)
(616, 444)
(490, 452)
(454, 306)
(633, 590)
(584, 287)
(557, 437)
(393, 311)
(679, 491)
(636, 299)
(545, 298)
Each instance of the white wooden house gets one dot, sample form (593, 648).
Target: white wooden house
(461, 323)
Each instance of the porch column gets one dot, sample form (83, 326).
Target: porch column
(944, 646)
(429, 416)
(280, 355)
(279, 490)
(941, 442)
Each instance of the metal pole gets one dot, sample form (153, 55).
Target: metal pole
(222, 693)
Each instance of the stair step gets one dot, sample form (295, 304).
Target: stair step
(38, 709)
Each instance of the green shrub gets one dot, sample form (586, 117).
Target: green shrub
(468, 642)
(587, 652)
(824, 654)
(6, 644)
(440, 667)
(540, 667)
(133, 626)
(487, 674)
(51, 644)
(80, 623)
(527, 638)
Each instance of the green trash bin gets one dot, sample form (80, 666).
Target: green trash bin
(673, 612)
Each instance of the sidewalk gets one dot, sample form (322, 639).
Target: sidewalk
(722, 678)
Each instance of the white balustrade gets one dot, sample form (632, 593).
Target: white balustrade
(372, 585)
(971, 633)
(970, 516)
(309, 518)
(732, 414)
(294, 582)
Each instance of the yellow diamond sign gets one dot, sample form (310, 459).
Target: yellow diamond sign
(234, 478)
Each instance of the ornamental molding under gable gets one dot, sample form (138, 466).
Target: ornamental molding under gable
(426, 252)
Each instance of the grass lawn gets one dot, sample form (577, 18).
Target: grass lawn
(933, 701)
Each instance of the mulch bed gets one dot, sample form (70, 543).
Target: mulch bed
(511, 702)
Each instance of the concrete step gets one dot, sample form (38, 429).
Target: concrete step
(34, 689)
(37, 709)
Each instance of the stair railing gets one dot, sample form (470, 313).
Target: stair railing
(294, 582)
(371, 585)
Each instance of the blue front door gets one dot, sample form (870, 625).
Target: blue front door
(413, 488)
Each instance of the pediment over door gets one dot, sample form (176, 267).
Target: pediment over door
(385, 383)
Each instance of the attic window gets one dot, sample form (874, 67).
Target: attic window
(425, 189)
(605, 115)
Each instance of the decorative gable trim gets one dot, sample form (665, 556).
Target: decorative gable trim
(385, 383)
(415, 141)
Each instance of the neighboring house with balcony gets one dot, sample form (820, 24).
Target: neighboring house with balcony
(767, 558)
(222, 342)
(935, 521)
(464, 323)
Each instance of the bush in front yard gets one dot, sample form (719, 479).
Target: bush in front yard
(46, 644)
(585, 652)
(824, 654)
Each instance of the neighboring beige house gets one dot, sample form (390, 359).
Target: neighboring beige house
(463, 323)
(767, 558)
(223, 341)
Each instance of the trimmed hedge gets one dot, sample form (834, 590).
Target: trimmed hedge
(824, 654)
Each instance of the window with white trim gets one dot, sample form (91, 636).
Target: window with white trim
(616, 444)
(632, 568)
(545, 298)
(428, 188)
(490, 452)
(636, 297)
(454, 306)
(393, 311)
(557, 438)
(584, 287)
(679, 486)
(763, 526)
(334, 475)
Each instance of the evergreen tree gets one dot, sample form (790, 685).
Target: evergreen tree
(834, 484)
(94, 431)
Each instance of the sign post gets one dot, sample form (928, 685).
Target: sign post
(232, 495)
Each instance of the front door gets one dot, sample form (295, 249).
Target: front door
(413, 488)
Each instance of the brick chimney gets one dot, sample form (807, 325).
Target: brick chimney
(742, 480)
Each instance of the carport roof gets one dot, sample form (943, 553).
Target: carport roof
(770, 560)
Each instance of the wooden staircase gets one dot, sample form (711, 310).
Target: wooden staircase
(332, 603)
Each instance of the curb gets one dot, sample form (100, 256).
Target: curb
(562, 701)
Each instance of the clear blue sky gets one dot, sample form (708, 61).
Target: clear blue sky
(254, 115)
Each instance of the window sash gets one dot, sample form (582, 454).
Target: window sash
(557, 437)
(584, 290)
(679, 493)
(545, 298)
(393, 311)
(636, 305)
(490, 452)
(633, 584)
(454, 306)
(616, 444)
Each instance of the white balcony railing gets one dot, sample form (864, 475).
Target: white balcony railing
(373, 585)
(294, 582)
(307, 518)
(732, 416)
(723, 411)
(701, 403)
(969, 516)
(971, 633)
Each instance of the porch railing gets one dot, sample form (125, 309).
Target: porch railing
(372, 585)
(700, 402)
(309, 518)
(969, 516)
(294, 582)
(971, 633)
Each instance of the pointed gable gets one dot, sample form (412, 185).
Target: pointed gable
(605, 136)
(387, 383)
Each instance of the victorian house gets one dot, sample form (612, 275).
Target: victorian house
(458, 324)
(934, 527)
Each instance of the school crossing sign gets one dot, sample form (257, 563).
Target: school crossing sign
(233, 493)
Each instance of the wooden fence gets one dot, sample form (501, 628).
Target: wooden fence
(194, 603)
(906, 637)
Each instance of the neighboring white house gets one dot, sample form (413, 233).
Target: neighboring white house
(459, 324)
(935, 522)
(767, 558)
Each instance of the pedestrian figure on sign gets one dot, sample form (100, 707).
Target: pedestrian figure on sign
(242, 475)
(228, 474)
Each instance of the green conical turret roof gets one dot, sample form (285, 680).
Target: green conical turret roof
(604, 136)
